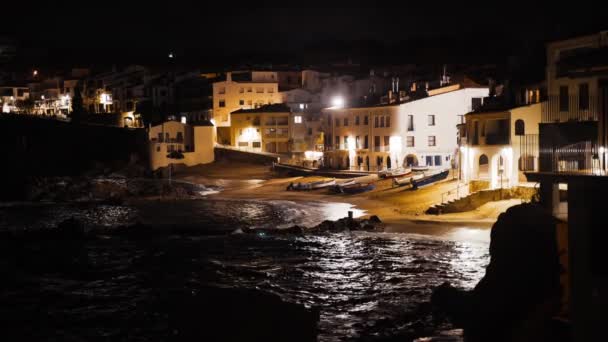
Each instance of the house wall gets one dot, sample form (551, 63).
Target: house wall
(234, 92)
(250, 128)
(197, 145)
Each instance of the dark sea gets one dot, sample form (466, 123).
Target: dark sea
(368, 286)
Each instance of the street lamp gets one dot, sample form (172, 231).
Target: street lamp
(337, 101)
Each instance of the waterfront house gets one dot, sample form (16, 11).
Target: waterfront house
(419, 132)
(195, 142)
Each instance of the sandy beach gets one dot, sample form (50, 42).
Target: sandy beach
(402, 209)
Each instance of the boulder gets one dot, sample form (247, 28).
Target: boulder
(374, 219)
(520, 292)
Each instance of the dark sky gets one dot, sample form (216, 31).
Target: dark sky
(122, 32)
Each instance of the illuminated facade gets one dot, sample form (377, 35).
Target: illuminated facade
(421, 132)
(195, 142)
(498, 146)
(265, 129)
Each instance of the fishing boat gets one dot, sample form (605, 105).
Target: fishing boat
(355, 188)
(346, 182)
(420, 168)
(397, 182)
(394, 173)
(430, 178)
(311, 185)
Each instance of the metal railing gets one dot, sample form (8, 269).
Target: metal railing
(580, 158)
(574, 108)
(460, 191)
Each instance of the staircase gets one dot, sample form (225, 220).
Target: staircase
(476, 199)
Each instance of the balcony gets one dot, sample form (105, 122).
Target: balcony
(497, 139)
(575, 109)
(382, 148)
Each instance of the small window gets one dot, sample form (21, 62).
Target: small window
(410, 123)
(297, 119)
(270, 90)
(410, 141)
(241, 90)
(366, 142)
(431, 120)
(241, 102)
(243, 143)
(475, 103)
(337, 122)
(345, 122)
(366, 120)
(432, 141)
(256, 144)
(180, 137)
(222, 90)
(357, 120)
(376, 121)
(249, 89)
(309, 131)
(520, 128)
(337, 140)
(249, 102)
(382, 121)
(388, 121)
(259, 90)
(222, 103)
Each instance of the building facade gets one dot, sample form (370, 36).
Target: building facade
(420, 132)
(195, 143)
(264, 129)
(498, 146)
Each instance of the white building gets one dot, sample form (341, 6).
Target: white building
(497, 146)
(420, 132)
(195, 142)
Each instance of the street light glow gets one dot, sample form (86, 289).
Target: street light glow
(337, 101)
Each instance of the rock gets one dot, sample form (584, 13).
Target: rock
(229, 314)
(374, 219)
(520, 292)
(369, 227)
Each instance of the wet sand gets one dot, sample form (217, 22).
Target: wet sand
(402, 209)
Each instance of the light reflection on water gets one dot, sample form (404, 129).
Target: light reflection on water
(365, 284)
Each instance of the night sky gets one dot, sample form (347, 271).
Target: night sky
(116, 32)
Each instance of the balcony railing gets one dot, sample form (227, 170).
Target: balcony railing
(381, 148)
(575, 109)
(497, 139)
(581, 158)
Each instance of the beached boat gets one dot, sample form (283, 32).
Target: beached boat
(420, 168)
(311, 185)
(394, 173)
(346, 182)
(406, 180)
(355, 188)
(430, 178)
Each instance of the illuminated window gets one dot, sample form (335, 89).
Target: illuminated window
(297, 119)
(431, 120)
(432, 141)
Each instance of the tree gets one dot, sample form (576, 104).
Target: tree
(26, 106)
(77, 106)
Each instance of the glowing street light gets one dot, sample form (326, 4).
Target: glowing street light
(337, 101)
(171, 55)
(35, 73)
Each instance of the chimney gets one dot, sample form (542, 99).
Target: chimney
(229, 76)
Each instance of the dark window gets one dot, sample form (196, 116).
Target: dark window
(410, 122)
(437, 160)
(160, 137)
(382, 121)
(357, 120)
(366, 142)
(309, 131)
(337, 122)
(386, 141)
(431, 120)
(483, 160)
(475, 103)
(432, 140)
(410, 141)
(365, 120)
(222, 103)
(564, 103)
(388, 121)
(429, 160)
(376, 121)
(180, 137)
(345, 122)
(583, 96)
(520, 127)
(337, 140)
(256, 144)
(376, 141)
(241, 102)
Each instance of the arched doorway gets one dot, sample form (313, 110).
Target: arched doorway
(379, 162)
(388, 162)
(410, 160)
(483, 167)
